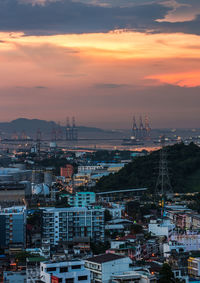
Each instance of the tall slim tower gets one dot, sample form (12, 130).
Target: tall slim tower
(163, 184)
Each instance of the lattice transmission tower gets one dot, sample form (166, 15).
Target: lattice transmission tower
(163, 184)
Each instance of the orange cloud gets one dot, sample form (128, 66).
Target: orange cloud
(187, 79)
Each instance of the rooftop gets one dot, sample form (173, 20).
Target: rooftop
(105, 258)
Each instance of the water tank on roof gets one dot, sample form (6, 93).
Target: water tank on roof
(40, 189)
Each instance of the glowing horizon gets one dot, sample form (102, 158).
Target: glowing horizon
(105, 77)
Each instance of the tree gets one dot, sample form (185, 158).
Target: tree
(136, 229)
(21, 256)
(100, 247)
(166, 274)
(107, 215)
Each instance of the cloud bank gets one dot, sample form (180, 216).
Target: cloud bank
(43, 17)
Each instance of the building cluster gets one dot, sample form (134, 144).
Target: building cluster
(55, 228)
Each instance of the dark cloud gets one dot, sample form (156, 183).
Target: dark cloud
(41, 87)
(190, 27)
(73, 17)
(34, 87)
(67, 16)
(110, 85)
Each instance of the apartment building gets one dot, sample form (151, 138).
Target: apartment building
(82, 199)
(161, 228)
(12, 226)
(104, 266)
(65, 224)
(64, 272)
(194, 267)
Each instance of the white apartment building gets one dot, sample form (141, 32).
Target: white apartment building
(103, 267)
(64, 272)
(161, 228)
(64, 224)
(172, 246)
(89, 168)
(139, 276)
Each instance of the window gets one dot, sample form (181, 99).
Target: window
(69, 280)
(76, 266)
(63, 269)
(51, 269)
(81, 278)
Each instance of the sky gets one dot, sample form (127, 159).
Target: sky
(102, 61)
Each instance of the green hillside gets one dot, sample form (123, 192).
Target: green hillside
(183, 164)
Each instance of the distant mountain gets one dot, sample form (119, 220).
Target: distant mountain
(31, 126)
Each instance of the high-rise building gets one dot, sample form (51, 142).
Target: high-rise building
(12, 226)
(64, 224)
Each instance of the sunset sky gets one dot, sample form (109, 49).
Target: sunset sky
(101, 61)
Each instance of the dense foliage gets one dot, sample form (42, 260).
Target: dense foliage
(109, 155)
(184, 171)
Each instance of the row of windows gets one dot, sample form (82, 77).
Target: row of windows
(83, 213)
(63, 269)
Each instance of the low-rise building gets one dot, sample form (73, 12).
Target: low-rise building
(64, 272)
(194, 267)
(139, 276)
(196, 221)
(190, 240)
(103, 267)
(161, 228)
(172, 246)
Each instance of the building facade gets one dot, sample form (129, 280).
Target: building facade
(82, 199)
(12, 226)
(65, 224)
(103, 267)
(194, 267)
(64, 272)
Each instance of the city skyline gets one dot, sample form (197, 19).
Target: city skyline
(101, 61)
